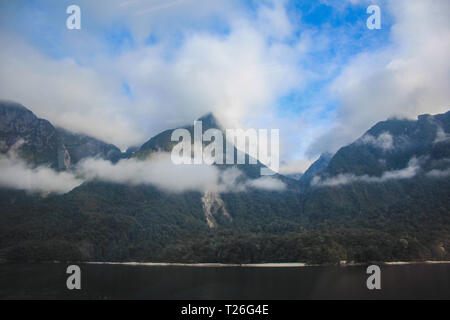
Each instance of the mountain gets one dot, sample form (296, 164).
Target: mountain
(244, 206)
(317, 167)
(391, 144)
(295, 176)
(389, 155)
(162, 141)
(43, 144)
(79, 146)
(385, 197)
(394, 181)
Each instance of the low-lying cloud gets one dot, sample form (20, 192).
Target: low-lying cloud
(267, 183)
(158, 171)
(384, 141)
(438, 173)
(16, 174)
(342, 179)
(441, 135)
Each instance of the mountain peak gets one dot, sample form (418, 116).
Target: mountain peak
(209, 121)
(9, 105)
(44, 143)
(162, 141)
(390, 145)
(423, 117)
(317, 167)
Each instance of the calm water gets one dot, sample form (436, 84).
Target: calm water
(48, 281)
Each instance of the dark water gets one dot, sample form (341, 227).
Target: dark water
(48, 281)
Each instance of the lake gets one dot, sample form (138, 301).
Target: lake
(48, 281)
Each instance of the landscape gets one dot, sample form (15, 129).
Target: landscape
(226, 150)
(385, 197)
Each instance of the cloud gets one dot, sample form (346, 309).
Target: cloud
(139, 67)
(16, 174)
(267, 183)
(236, 73)
(384, 141)
(295, 166)
(441, 135)
(409, 75)
(159, 171)
(342, 179)
(160, 17)
(438, 173)
(235, 76)
(76, 98)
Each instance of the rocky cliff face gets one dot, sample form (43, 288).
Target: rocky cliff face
(79, 146)
(43, 144)
(40, 139)
(213, 206)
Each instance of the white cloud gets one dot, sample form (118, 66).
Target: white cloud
(160, 17)
(76, 98)
(295, 166)
(225, 60)
(409, 76)
(384, 141)
(236, 75)
(16, 174)
(438, 173)
(441, 135)
(267, 183)
(274, 21)
(159, 171)
(342, 179)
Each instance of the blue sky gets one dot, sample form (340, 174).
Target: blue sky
(137, 67)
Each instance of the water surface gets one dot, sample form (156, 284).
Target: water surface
(48, 281)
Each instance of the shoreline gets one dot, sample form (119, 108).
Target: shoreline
(259, 265)
(207, 265)
(234, 265)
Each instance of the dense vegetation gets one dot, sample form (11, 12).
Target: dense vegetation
(141, 223)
